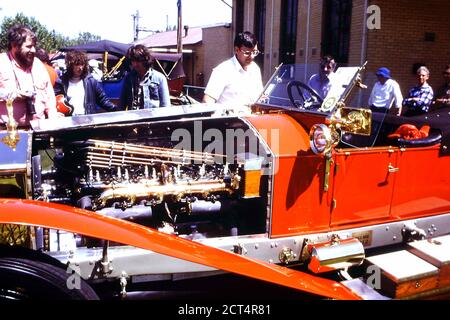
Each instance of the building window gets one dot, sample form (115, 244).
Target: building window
(336, 29)
(260, 30)
(239, 16)
(288, 30)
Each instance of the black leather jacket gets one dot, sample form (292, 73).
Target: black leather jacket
(94, 94)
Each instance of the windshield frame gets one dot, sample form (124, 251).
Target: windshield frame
(275, 91)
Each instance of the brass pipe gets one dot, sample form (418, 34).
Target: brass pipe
(135, 191)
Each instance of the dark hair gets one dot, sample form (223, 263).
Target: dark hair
(245, 39)
(140, 53)
(42, 55)
(18, 34)
(75, 58)
(326, 60)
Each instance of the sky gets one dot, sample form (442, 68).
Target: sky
(113, 20)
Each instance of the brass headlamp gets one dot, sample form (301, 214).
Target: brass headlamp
(351, 120)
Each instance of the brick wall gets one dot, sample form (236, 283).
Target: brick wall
(399, 44)
(357, 45)
(273, 8)
(315, 30)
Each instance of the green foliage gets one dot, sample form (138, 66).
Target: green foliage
(49, 40)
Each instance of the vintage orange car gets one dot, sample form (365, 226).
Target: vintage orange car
(312, 195)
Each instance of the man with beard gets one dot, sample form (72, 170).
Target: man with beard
(24, 77)
(236, 81)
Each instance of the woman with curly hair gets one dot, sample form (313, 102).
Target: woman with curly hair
(80, 89)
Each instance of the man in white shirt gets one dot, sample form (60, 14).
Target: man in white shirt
(321, 82)
(385, 92)
(236, 81)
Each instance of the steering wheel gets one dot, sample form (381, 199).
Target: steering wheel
(311, 98)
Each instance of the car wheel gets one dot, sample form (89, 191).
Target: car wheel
(24, 279)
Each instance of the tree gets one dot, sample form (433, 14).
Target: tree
(49, 40)
(86, 37)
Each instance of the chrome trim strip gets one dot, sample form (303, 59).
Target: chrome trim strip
(135, 261)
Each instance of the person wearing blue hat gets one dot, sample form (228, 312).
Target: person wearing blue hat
(385, 93)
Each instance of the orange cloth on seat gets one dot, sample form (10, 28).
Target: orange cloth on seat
(410, 132)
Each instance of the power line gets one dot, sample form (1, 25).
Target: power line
(230, 6)
(136, 28)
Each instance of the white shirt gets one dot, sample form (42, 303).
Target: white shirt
(322, 88)
(230, 84)
(36, 80)
(75, 96)
(383, 94)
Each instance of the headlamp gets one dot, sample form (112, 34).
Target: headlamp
(320, 139)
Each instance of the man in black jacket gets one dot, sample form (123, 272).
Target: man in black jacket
(79, 88)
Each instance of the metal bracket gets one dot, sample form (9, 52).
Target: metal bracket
(326, 180)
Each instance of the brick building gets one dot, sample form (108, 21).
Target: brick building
(203, 49)
(400, 35)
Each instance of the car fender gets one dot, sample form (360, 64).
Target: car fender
(62, 217)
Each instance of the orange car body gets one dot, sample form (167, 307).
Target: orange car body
(315, 186)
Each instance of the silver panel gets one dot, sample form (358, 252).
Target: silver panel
(134, 261)
(154, 114)
(270, 171)
(363, 290)
(18, 158)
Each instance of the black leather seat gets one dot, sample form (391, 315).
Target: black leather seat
(434, 137)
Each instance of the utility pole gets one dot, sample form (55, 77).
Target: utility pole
(136, 28)
(179, 29)
(136, 25)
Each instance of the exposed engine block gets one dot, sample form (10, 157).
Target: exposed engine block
(178, 191)
(132, 174)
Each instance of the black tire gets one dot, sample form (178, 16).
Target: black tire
(23, 279)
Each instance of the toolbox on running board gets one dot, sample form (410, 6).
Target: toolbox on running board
(437, 252)
(401, 274)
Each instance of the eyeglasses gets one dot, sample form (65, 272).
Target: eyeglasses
(446, 73)
(247, 53)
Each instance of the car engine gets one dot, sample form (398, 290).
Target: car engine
(141, 173)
